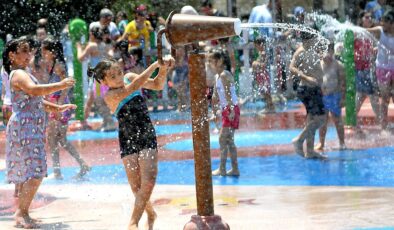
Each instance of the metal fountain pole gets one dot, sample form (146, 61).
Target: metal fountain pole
(182, 30)
(201, 145)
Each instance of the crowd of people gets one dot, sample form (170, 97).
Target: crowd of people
(124, 76)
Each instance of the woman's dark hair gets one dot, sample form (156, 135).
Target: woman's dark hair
(261, 41)
(138, 54)
(206, 3)
(223, 55)
(33, 42)
(105, 31)
(12, 46)
(56, 48)
(123, 47)
(388, 16)
(98, 73)
(360, 17)
(97, 33)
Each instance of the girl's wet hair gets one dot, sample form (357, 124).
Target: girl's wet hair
(33, 42)
(12, 46)
(218, 54)
(97, 33)
(98, 73)
(56, 48)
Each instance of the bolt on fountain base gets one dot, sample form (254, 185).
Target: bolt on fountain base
(206, 223)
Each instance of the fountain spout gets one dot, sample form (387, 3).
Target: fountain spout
(184, 29)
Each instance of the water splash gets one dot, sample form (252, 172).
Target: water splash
(335, 30)
(286, 26)
(330, 27)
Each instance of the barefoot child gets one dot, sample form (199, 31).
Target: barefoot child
(306, 65)
(333, 88)
(25, 146)
(137, 137)
(52, 54)
(225, 95)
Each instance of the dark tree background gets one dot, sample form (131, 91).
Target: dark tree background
(19, 17)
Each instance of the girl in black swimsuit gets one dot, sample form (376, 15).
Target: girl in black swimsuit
(137, 137)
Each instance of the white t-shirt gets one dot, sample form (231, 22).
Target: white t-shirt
(113, 29)
(222, 94)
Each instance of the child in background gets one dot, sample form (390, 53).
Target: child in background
(121, 21)
(6, 108)
(261, 75)
(333, 88)
(52, 54)
(180, 80)
(305, 64)
(364, 55)
(137, 137)
(5, 97)
(96, 50)
(385, 64)
(126, 60)
(25, 146)
(225, 96)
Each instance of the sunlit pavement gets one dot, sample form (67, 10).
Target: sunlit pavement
(277, 189)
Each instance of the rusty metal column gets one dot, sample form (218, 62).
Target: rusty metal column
(200, 129)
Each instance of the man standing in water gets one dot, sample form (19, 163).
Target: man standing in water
(305, 64)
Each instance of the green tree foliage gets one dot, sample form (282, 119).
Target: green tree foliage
(19, 17)
(160, 7)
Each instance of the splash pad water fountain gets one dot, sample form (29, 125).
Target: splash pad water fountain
(182, 30)
(342, 170)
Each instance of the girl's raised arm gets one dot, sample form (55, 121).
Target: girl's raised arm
(83, 53)
(114, 97)
(375, 31)
(158, 82)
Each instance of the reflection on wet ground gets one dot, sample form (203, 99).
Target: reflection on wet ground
(350, 190)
